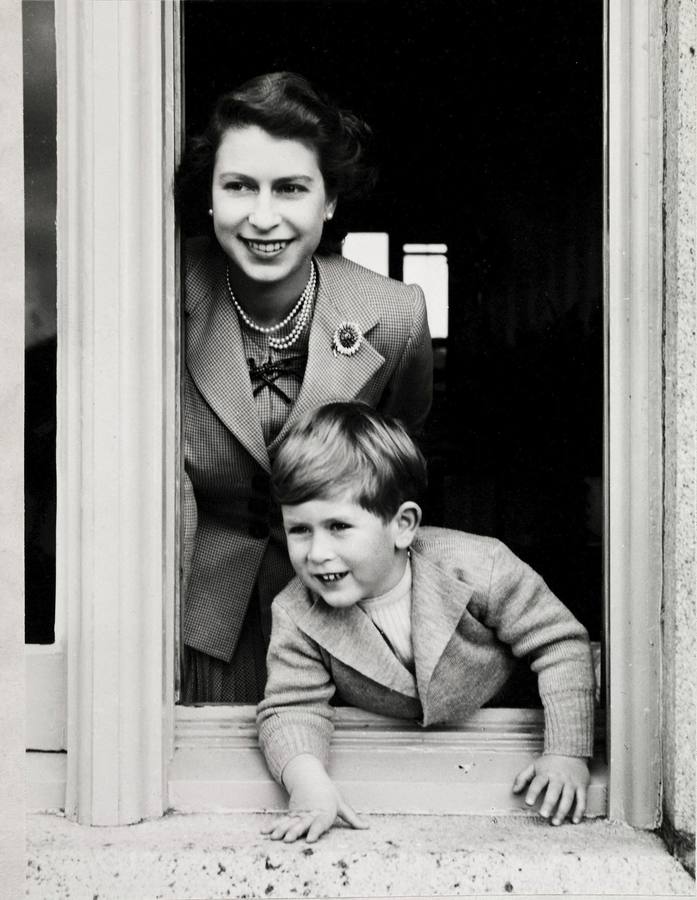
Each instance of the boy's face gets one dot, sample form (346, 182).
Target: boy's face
(345, 553)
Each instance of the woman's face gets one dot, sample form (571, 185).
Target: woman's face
(269, 205)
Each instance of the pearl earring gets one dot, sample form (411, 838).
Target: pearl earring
(210, 212)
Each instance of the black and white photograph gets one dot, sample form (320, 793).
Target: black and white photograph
(350, 392)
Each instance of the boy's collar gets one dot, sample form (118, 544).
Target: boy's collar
(350, 636)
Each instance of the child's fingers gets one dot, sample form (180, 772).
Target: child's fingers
(552, 795)
(298, 828)
(349, 815)
(303, 823)
(287, 825)
(319, 825)
(280, 829)
(267, 829)
(580, 808)
(274, 826)
(537, 785)
(523, 778)
(566, 801)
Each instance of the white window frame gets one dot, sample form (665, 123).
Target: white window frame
(127, 744)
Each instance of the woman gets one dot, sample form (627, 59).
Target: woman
(274, 325)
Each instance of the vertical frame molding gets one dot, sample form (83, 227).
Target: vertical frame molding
(12, 769)
(117, 414)
(633, 475)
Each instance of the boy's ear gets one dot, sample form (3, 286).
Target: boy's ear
(406, 521)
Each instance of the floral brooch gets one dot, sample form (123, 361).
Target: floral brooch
(347, 339)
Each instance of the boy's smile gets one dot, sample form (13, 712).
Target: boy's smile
(331, 577)
(343, 552)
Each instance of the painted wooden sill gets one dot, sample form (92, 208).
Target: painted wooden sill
(382, 765)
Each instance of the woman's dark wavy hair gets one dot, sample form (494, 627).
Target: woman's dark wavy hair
(286, 106)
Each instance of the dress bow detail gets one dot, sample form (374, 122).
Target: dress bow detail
(268, 373)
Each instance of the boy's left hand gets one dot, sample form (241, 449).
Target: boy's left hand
(564, 782)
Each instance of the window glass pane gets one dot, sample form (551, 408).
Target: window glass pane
(430, 271)
(371, 250)
(40, 294)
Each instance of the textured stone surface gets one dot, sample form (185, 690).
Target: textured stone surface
(680, 454)
(211, 856)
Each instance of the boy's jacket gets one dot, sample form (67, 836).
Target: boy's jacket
(475, 608)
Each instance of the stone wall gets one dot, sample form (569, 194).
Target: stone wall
(680, 428)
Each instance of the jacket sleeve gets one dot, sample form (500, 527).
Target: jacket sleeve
(528, 617)
(410, 391)
(189, 526)
(294, 716)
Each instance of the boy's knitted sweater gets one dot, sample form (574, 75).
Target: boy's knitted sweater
(476, 608)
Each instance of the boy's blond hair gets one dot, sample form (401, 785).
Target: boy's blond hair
(349, 446)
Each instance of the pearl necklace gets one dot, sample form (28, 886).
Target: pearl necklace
(302, 309)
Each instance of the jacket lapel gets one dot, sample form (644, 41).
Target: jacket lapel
(350, 636)
(439, 602)
(216, 360)
(331, 376)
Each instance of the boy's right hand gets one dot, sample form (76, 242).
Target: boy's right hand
(313, 805)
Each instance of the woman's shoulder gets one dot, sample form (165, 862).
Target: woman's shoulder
(347, 274)
(201, 259)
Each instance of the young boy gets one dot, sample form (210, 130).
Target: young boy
(418, 623)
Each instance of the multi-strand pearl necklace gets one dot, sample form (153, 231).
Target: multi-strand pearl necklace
(301, 309)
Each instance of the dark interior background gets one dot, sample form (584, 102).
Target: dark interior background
(39, 94)
(488, 117)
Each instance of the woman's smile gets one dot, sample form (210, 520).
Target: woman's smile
(266, 248)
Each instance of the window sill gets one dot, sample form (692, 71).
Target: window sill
(382, 765)
(209, 855)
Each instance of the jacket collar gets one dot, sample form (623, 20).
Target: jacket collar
(216, 360)
(438, 603)
(349, 636)
(215, 353)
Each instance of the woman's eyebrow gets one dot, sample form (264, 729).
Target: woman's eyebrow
(239, 175)
(307, 179)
